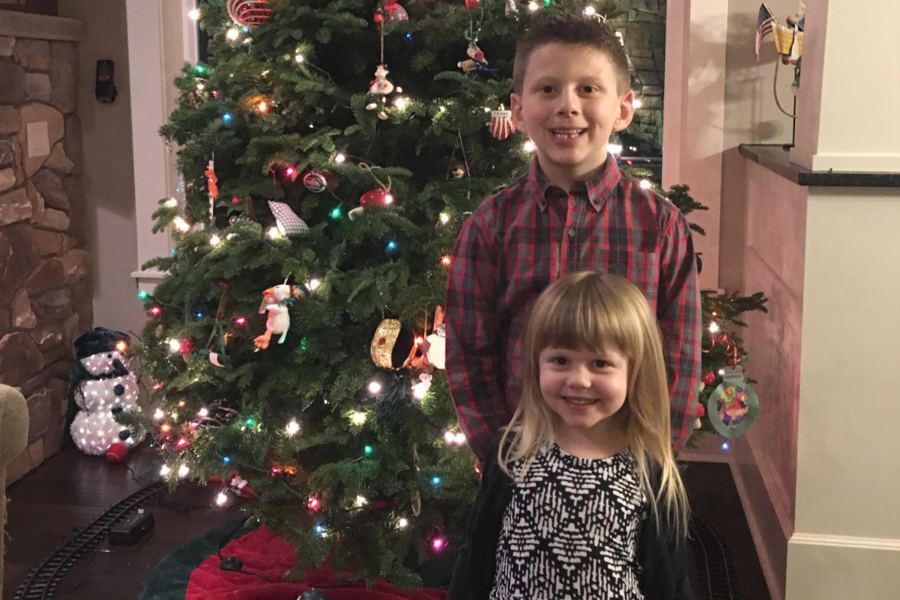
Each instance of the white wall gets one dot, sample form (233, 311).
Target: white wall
(108, 165)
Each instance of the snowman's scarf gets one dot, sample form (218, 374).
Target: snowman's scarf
(79, 374)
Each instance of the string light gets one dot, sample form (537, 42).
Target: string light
(713, 327)
(298, 58)
(182, 225)
(143, 295)
(290, 171)
(226, 459)
(215, 240)
(121, 346)
(589, 11)
(221, 499)
(274, 233)
(293, 427)
(200, 86)
(313, 284)
(435, 481)
(358, 418)
(157, 386)
(263, 107)
(388, 199)
(400, 102)
(645, 184)
(533, 6)
(226, 117)
(183, 471)
(340, 158)
(361, 501)
(637, 103)
(367, 450)
(159, 414)
(438, 544)
(203, 412)
(233, 34)
(194, 14)
(336, 213)
(181, 443)
(402, 523)
(615, 148)
(725, 446)
(445, 218)
(445, 261)
(165, 428)
(529, 146)
(392, 245)
(174, 345)
(171, 202)
(165, 470)
(320, 530)
(374, 388)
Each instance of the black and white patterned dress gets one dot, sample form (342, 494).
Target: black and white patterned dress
(570, 531)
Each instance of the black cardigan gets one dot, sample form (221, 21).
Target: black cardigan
(662, 556)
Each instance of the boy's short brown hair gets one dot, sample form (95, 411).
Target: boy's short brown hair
(573, 30)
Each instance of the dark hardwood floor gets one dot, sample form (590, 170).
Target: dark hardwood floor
(49, 505)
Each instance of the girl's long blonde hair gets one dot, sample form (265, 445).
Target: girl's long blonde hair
(594, 311)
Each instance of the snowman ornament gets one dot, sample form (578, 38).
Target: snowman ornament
(102, 386)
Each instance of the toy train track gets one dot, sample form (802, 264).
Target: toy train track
(42, 581)
(715, 569)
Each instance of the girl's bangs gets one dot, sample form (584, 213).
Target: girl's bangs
(583, 319)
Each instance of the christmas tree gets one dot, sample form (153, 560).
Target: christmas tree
(330, 152)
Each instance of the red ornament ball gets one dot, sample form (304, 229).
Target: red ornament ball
(378, 18)
(709, 378)
(700, 410)
(470, 4)
(375, 198)
(249, 13)
(116, 453)
(186, 346)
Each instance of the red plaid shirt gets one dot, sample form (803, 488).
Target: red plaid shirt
(530, 234)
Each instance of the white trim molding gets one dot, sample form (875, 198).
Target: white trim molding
(845, 541)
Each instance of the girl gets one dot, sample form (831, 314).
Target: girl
(580, 496)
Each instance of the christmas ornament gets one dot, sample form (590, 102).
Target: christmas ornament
(276, 301)
(288, 222)
(437, 341)
(501, 124)
(375, 198)
(467, 65)
(709, 378)
(380, 86)
(249, 13)
(212, 183)
(457, 169)
(475, 53)
(470, 4)
(733, 405)
(315, 181)
(395, 11)
(393, 344)
(100, 384)
(511, 10)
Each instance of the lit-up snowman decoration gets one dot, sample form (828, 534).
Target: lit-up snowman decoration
(102, 386)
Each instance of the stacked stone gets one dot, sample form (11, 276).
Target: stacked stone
(643, 29)
(45, 295)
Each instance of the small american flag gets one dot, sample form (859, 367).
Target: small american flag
(764, 24)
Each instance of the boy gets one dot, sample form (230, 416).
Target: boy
(574, 210)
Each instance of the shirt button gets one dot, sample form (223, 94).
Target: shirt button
(572, 232)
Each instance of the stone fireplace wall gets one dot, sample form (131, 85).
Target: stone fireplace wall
(45, 290)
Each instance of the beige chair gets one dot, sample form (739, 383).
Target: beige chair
(13, 439)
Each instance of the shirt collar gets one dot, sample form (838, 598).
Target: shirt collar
(597, 187)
